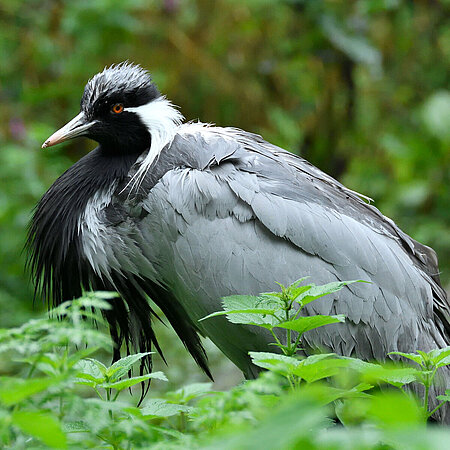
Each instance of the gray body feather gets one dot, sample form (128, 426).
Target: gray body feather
(223, 212)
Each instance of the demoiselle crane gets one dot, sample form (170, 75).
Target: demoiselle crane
(188, 213)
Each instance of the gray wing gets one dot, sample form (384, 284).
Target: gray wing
(245, 214)
(223, 212)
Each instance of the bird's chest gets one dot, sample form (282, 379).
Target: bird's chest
(96, 234)
(112, 239)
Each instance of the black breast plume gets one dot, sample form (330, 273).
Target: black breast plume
(56, 261)
(61, 271)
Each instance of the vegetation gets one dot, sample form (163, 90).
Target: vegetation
(359, 88)
(64, 398)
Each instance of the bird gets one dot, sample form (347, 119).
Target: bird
(186, 213)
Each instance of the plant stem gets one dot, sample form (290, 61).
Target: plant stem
(428, 383)
(108, 398)
(435, 409)
(275, 337)
(182, 422)
(60, 407)
(111, 416)
(288, 343)
(98, 393)
(291, 382)
(297, 341)
(288, 332)
(298, 312)
(425, 400)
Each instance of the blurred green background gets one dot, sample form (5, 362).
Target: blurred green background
(358, 87)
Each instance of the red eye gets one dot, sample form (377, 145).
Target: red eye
(117, 108)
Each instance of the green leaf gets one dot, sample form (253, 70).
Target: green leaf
(14, 390)
(161, 408)
(78, 426)
(47, 363)
(412, 356)
(443, 362)
(267, 356)
(424, 355)
(444, 398)
(169, 432)
(318, 367)
(239, 311)
(398, 377)
(395, 409)
(316, 292)
(104, 295)
(128, 382)
(303, 324)
(233, 302)
(440, 357)
(90, 369)
(190, 392)
(43, 426)
(289, 425)
(294, 290)
(250, 310)
(326, 393)
(359, 364)
(294, 293)
(123, 365)
(296, 283)
(389, 374)
(82, 382)
(284, 365)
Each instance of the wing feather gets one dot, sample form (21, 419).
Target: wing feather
(244, 214)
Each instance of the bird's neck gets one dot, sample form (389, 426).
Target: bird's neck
(98, 171)
(54, 237)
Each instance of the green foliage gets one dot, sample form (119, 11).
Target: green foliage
(63, 397)
(282, 310)
(274, 310)
(43, 426)
(49, 401)
(428, 364)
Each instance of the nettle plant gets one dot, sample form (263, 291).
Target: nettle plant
(281, 314)
(48, 400)
(61, 396)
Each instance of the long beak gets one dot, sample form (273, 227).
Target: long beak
(76, 127)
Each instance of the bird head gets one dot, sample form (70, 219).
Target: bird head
(120, 108)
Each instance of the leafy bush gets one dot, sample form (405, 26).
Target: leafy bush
(277, 311)
(62, 397)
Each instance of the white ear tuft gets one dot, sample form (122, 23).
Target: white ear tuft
(162, 120)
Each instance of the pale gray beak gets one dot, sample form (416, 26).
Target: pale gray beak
(76, 127)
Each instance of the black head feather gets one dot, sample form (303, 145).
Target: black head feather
(130, 86)
(126, 83)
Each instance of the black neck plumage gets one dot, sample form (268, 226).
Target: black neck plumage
(53, 238)
(61, 271)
